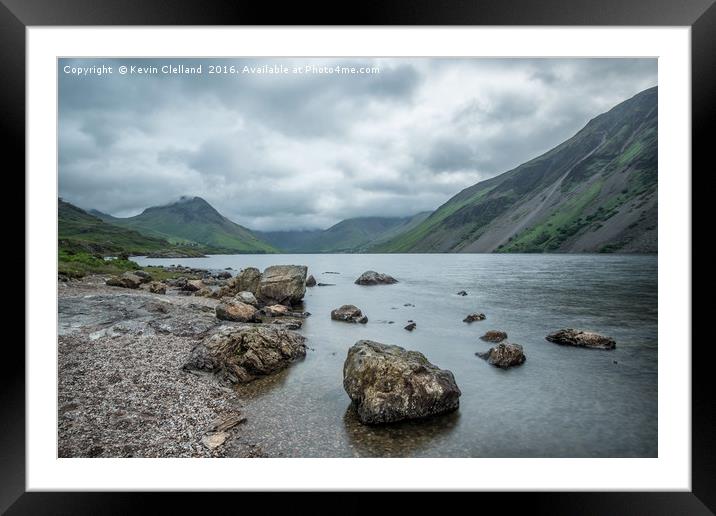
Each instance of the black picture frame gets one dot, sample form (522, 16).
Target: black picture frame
(700, 15)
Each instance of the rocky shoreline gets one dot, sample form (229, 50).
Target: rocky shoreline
(122, 388)
(147, 366)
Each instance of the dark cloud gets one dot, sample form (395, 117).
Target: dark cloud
(307, 150)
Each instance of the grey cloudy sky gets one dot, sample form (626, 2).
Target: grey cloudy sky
(295, 151)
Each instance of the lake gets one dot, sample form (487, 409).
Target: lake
(562, 402)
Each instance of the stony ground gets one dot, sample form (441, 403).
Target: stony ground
(121, 388)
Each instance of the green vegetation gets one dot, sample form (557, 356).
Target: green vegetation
(79, 264)
(80, 231)
(350, 235)
(409, 240)
(73, 264)
(193, 222)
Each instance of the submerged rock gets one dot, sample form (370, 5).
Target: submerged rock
(462, 293)
(234, 310)
(311, 281)
(349, 313)
(474, 317)
(504, 355)
(375, 278)
(580, 338)
(388, 383)
(282, 284)
(494, 336)
(411, 326)
(245, 353)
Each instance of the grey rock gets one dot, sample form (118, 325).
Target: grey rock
(282, 284)
(580, 338)
(126, 280)
(247, 297)
(349, 313)
(145, 276)
(494, 336)
(156, 287)
(311, 281)
(375, 278)
(504, 355)
(245, 281)
(388, 383)
(474, 317)
(245, 353)
(234, 310)
(193, 285)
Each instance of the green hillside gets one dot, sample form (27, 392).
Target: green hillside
(596, 192)
(80, 231)
(350, 235)
(193, 221)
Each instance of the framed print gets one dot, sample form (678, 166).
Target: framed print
(441, 251)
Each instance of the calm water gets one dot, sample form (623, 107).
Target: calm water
(562, 402)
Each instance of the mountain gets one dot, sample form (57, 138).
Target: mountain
(80, 231)
(350, 235)
(192, 221)
(596, 192)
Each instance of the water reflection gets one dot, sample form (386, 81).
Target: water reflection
(401, 439)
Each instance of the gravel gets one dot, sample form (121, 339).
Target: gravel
(121, 388)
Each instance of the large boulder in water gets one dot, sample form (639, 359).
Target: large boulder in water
(245, 353)
(580, 338)
(245, 281)
(282, 284)
(235, 310)
(504, 355)
(388, 383)
(375, 278)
